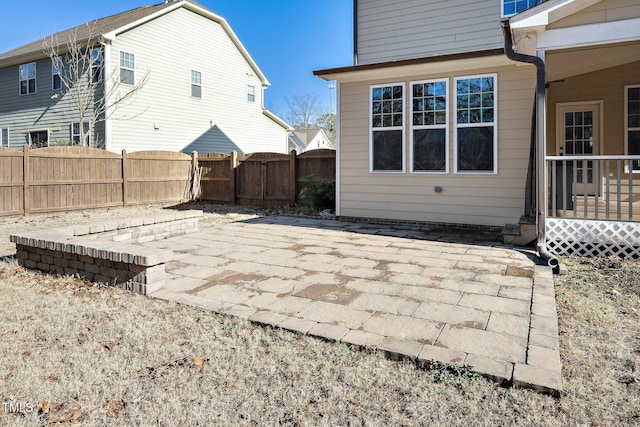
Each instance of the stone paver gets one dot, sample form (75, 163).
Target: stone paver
(407, 292)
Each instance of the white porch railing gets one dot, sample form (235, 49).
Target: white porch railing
(593, 205)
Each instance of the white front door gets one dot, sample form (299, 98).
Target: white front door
(578, 134)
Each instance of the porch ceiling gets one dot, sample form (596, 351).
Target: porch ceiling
(562, 64)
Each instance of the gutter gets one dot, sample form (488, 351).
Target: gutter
(541, 244)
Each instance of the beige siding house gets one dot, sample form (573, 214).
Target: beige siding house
(521, 116)
(202, 90)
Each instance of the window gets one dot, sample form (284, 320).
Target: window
(4, 139)
(127, 68)
(39, 139)
(475, 132)
(28, 78)
(251, 93)
(76, 136)
(387, 128)
(196, 84)
(632, 123)
(96, 65)
(56, 69)
(429, 117)
(511, 7)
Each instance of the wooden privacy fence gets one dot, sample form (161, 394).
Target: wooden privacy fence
(262, 179)
(65, 178)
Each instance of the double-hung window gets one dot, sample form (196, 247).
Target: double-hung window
(511, 7)
(476, 139)
(386, 114)
(632, 122)
(196, 84)
(56, 70)
(127, 68)
(96, 65)
(77, 136)
(251, 93)
(27, 78)
(429, 120)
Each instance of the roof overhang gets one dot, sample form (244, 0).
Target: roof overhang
(111, 35)
(203, 12)
(430, 64)
(277, 120)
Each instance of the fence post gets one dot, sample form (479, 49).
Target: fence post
(292, 177)
(195, 186)
(25, 176)
(232, 176)
(125, 196)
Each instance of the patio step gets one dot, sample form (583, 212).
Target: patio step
(521, 234)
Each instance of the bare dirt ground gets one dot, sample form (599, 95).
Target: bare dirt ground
(77, 354)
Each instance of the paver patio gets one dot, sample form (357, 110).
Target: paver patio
(409, 293)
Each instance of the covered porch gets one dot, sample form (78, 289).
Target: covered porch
(588, 167)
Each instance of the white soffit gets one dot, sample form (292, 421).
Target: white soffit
(590, 35)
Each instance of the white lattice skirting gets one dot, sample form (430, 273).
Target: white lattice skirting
(593, 238)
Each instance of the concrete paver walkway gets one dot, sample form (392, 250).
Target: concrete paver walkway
(403, 291)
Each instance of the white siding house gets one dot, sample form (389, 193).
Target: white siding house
(202, 90)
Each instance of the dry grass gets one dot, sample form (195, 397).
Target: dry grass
(82, 355)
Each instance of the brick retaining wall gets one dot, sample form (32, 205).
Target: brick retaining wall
(109, 251)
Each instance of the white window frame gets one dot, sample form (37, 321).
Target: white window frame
(530, 4)
(457, 126)
(444, 126)
(251, 93)
(35, 79)
(97, 59)
(127, 66)
(196, 81)
(2, 139)
(56, 69)
(628, 129)
(39, 130)
(87, 135)
(387, 128)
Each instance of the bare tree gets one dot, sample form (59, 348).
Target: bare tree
(79, 74)
(304, 110)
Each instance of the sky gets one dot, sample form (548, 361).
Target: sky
(288, 39)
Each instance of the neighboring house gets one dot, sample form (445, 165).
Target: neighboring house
(439, 121)
(203, 91)
(303, 140)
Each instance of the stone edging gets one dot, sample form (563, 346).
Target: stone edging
(108, 251)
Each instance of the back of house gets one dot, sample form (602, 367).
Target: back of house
(437, 119)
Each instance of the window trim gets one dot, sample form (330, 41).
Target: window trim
(5, 135)
(99, 65)
(196, 82)
(87, 135)
(56, 69)
(121, 67)
(413, 127)
(35, 79)
(627, 129)
(503, 15)
(388, 128)
(251, 93)
(494, 124)
(38, 131)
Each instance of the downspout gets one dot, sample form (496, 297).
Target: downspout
(106, 78)
(541, 244)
